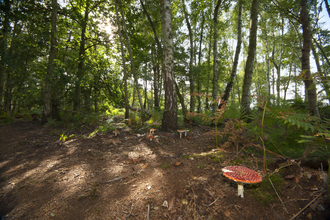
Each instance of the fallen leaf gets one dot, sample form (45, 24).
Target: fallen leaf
(144, 166)
(177, 163)
(227, 213)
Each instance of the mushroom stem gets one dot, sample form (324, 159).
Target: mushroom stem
(180, 134)
(240, 187)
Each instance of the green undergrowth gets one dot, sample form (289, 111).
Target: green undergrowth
(265, 193)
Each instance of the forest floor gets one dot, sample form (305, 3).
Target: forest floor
(131, 177)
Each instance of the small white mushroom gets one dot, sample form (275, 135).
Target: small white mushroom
(180, 131)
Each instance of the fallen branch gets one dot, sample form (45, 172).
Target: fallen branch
(148, 215)
(212, 202)
(278, 196)
(307, 205)
(114, 180)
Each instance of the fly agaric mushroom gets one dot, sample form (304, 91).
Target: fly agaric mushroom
(116, 132)
(241, 175)
(180, 131)
(152, 130)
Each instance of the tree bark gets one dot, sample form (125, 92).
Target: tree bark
(215, 56)
(50, 69)
(245, 104)
(237, 52)
(305, 59)
(191, 62)
(170, 120)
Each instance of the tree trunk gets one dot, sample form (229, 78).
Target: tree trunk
(323, 76)
(199, 65)
(237, 52)
(124, 63)
(50, 69)
(3, 47)
(191, 62)
(155, 68)
(181, 100)
(215, 56)
(305, 59)
(155, 63)
(278, 66)
(81, 61)
(132, 61)
(245, 104)
(327, 6)
(170, 119)
(207, 106)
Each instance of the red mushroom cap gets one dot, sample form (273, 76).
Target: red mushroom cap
(241, 174)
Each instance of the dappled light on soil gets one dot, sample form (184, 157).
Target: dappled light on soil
(108, 177)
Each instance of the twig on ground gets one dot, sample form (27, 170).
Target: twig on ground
(237, 208)
(212, 202)
(148, 215)
(130, 213)
(278, 195)
(114, 180)
(323, 191)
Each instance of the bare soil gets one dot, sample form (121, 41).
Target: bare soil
(133, 177)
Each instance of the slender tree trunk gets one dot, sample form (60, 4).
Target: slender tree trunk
(3, 46)
(245, 104)
(305, 59)
(327, 6)
(155, 63)
(124, 62)
(322, 76)
(81, 62)
(199, 64)
(170, 120)
(237, 52)
(278, 66)
(208, 73)
(267, 58)
(181, 100)
(50, 69)
(155, 68)
(238, 91)
(215, 56)
(191, 62)
(132, 62)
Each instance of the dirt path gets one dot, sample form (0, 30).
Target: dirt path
(108, 177)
